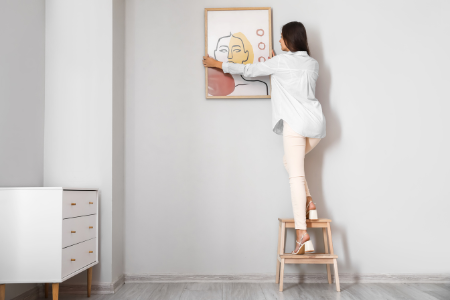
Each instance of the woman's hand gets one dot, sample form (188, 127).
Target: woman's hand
(210, 62)
(273, 54)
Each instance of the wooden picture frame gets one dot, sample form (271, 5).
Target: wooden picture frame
(252, 42)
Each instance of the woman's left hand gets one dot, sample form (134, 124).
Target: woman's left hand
(210, 62)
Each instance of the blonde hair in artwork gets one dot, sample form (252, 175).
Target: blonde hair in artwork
(247, 45)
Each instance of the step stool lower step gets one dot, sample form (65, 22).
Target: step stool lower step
(310, 258)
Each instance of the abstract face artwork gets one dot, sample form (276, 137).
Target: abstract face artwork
(234, 48)
(241, 37)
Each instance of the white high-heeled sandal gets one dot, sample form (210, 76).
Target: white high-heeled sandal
(311, 214)
(304, 247)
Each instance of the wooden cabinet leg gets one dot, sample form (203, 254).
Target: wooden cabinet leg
(281, 275)
(55, 290)
(336, 275)
(89, 281)
(46, 290)
(2, 292)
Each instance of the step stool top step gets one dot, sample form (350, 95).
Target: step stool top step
(308, 256)
(284, 220)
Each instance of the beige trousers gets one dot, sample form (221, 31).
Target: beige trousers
(296, 146)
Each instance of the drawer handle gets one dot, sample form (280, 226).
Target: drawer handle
(90, 227)
(91, 202)
(73, 259)
(73, 204)
(73, 231)
(91, 251)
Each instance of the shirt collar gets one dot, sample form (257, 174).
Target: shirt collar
(302, 53)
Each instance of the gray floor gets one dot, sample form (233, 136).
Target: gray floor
(269, 291)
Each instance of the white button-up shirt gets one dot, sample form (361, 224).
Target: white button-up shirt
(294, 76)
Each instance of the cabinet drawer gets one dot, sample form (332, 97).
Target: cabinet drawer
(80, 254)
(79, 203)
(79, 229)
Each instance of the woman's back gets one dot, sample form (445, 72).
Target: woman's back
(298, 73)
(293, 95)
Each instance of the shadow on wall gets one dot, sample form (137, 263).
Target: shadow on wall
(333, 136)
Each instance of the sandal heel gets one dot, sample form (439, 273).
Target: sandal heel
(313, 215)
(309, 246)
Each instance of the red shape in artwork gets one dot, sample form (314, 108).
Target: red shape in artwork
(220, 83)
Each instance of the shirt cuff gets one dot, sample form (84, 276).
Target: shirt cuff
(225, 67)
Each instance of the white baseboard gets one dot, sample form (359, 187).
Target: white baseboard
(119, 283)
(111, 288)
(305, 278)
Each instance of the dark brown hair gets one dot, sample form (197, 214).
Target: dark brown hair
(294, 36)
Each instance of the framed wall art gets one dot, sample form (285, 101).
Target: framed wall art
(240, 35)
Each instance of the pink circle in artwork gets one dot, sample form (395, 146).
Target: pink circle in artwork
(261, 44)
(220, 83)
(261, 58)
(260, 33)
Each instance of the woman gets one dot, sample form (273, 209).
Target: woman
(296, 114)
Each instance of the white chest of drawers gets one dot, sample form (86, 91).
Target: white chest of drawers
(47, 234)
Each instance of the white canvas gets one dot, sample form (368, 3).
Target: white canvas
(239, 36)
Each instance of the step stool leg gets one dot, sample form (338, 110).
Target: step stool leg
(281, 275)
(283, 237)
(277, 278)
(336, 275)
(325, 243)
(329, 238)
(329, 274)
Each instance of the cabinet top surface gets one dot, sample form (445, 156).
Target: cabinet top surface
(47, 188)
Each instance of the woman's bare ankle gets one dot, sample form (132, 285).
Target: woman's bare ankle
(309, 201)
(301, 237)
(300, 233)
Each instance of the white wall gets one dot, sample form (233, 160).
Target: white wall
(205, 178)
(80, 129)
(22, 39)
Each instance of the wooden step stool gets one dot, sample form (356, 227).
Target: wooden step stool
(327, 258)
